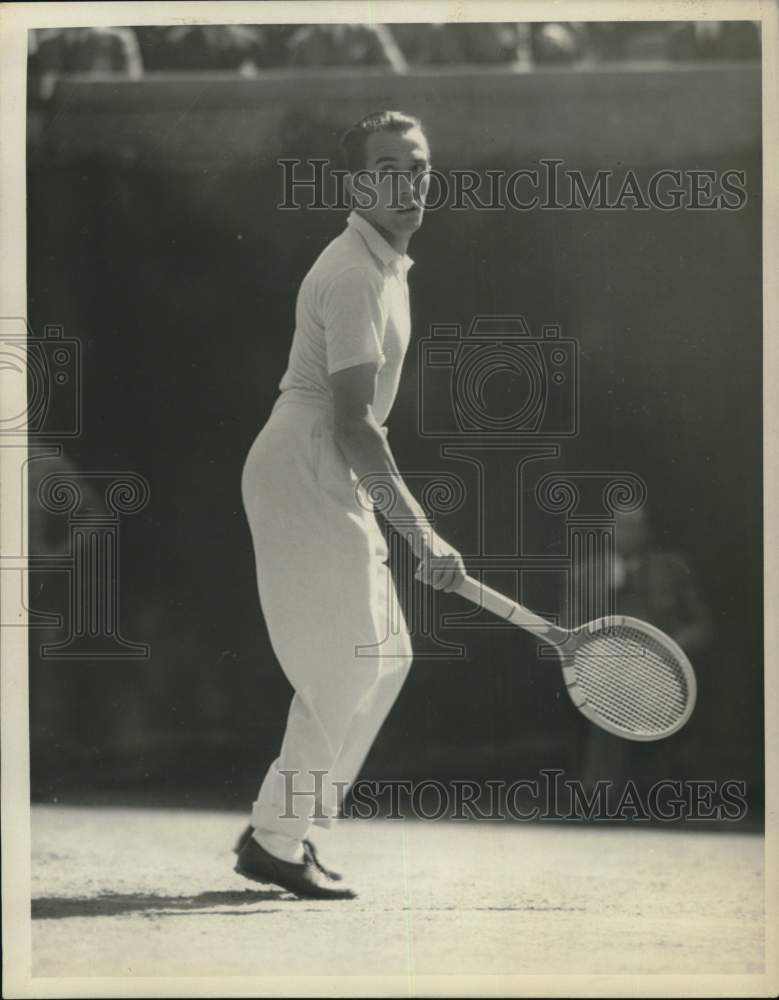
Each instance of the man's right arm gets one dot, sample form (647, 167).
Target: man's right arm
(367, 450)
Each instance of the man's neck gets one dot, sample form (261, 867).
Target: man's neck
(398, 243)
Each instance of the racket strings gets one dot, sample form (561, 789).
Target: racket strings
(632, 680)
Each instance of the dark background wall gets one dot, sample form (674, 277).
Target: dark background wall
(154, 238)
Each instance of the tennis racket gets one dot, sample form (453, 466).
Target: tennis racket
(624, 675)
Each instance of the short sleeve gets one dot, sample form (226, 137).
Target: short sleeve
(354, 320)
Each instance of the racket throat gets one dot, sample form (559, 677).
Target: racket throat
(541, 628)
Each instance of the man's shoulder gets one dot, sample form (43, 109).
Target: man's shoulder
(345, 260)
(346, 252)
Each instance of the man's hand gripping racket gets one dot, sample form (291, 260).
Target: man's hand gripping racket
(624, 675)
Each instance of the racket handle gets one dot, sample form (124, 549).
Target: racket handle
(485, 597)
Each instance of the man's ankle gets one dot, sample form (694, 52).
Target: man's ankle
(281, 847)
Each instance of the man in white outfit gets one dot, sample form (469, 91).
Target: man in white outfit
(324, 585)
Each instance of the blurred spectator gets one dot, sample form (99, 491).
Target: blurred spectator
(60, 697)
(487, 42)
(631, 41)
(559, 43)
(674, 40)
(248, 49)
(54, 52)
(452, 44)
(314, 45)
(204, 47)
(86, 50)
(657, 586)
(79, 709)
(277, 38)
(649, 42)
(691, 40)
(424, 44)
(607, 40)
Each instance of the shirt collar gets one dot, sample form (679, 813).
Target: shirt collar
(397, 262)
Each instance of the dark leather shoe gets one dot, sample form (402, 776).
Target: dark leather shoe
(304, 880)
(246, 835)
(308, 847)
(310, 850)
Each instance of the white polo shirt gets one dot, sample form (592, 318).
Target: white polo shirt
(352, 308)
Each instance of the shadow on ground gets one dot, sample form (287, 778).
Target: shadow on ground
(117, 904)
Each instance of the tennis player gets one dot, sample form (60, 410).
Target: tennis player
(324, 585)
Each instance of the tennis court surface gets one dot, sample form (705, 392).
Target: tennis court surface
(151, 892)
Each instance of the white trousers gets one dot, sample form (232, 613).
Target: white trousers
(331, 611)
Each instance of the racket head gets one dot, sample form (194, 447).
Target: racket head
(629, 678)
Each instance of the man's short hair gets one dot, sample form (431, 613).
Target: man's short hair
(355, 138)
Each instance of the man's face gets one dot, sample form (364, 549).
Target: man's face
(395, 181)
